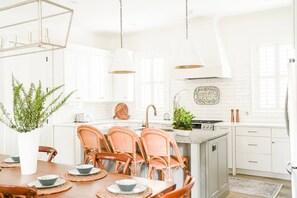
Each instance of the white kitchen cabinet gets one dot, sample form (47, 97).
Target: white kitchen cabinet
(230, 143)
(67, 143)
(123, 87)
(86, 71)
(280, 150)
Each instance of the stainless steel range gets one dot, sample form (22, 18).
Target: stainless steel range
(204, 124)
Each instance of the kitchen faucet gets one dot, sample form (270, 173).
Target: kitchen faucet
(146, 116)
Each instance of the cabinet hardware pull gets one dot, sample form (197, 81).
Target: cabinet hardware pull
(272, 142)
(214, 147)
(252, 131)
(253, 144)
(255, 162)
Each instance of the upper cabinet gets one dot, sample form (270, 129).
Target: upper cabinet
(123, 87)
(86, 70)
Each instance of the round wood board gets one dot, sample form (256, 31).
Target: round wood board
(121, 111)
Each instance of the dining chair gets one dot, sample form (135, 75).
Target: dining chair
(184, 192)
(157, 144)
(124, 140)
(8, 191)
(51, 152)
(117, 157)
(93, 141)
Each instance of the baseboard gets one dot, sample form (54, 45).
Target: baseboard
(263, 174)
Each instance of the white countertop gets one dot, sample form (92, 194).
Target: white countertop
(249, 124)
(199, 136)
(111, 121)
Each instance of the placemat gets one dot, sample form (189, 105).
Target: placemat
(54, 190)
(80, 178)
(9, 165)
(104, 193)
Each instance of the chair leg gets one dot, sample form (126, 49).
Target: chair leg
(150, 172)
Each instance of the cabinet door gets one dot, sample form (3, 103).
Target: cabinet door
(123, 87)
(82, 78)
(222, 162)
(106, 79)
(95, 78)
(280, 154)
(70, 73)
(213, 183)
(230, 153)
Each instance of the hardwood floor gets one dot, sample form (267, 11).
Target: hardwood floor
(284, 193)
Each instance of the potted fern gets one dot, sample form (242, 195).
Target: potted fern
(31, 110)
(182, 121)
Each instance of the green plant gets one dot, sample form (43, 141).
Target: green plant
(30, 110)
(182, 119)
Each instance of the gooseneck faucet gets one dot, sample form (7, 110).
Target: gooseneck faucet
(146, 115)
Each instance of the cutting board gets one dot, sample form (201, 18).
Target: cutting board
(121, 111)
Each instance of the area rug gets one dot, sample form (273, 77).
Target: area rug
(254, 187)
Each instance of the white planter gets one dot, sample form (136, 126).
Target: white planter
(182, 132)
(28, 150)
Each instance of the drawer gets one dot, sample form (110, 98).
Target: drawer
(253, 131)
(261, 145)
(223, 129)
(279, 133)
(249, 161)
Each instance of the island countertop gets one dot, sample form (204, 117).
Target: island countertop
(199, 136)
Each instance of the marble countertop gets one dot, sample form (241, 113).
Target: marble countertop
(199, 136)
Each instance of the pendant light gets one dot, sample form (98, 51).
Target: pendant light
(187, 55)
(123, 61)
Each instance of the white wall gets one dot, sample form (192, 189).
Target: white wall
(239, 33)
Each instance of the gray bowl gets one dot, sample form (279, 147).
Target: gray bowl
(15, 158)
(48, 180)
(84, 168)
(126, 185)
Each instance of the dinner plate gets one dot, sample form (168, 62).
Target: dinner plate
(114, 188)
(11, 161)
(38, 185)
(76, 173)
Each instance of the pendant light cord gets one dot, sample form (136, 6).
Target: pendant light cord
(121, 23)
(187, 21)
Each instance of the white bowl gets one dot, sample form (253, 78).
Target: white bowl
(126, 184)
(84, 168)
(48, 180)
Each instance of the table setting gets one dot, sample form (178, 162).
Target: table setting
(85, 172)
(11, 162)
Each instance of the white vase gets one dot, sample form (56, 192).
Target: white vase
(182, 132)
(28, 150)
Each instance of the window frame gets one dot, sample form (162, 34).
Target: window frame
(255, 77)
(138, 93)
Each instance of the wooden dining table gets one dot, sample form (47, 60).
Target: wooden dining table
(13, 176)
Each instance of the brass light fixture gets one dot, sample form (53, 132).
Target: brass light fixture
(123, 62)
(33, 26)
(187, 56)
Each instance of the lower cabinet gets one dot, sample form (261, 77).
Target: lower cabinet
(67, 143)
(230, 143)
(262, 149)
(216, 167)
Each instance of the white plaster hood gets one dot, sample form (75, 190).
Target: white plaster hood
(208, 41)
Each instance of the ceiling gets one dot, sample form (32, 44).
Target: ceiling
(102, 16)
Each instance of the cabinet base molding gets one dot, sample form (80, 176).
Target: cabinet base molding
(264, 174)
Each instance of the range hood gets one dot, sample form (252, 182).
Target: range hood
(212, 51)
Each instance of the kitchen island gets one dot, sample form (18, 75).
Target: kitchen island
(207, 151)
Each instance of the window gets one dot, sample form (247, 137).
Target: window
(270, 77)
(153, 87)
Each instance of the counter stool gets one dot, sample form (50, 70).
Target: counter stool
(93, 141)
(157, 144)
(124, 140)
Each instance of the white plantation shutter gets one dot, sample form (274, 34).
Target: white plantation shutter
(152, 80)
(271, 73)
